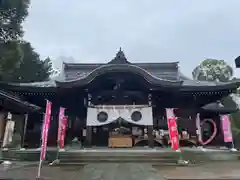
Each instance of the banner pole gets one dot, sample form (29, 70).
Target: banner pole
(233, 145)
(44, 136)
(58, 151)
(60, 125)
(39, 170)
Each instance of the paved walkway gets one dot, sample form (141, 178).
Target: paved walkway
(47, 173)
(89, 172)
(217, 170)
(120, 172)
(223, 170)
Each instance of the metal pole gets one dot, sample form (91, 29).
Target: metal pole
(39, 170)
(233, 146)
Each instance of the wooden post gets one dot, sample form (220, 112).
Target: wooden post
(150, 128)
(89, 128)
(23, 135)
(150, 136)
(89, 135)
(2, 125)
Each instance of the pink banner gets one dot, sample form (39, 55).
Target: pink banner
(60, 121)
(46, 125)
(172, 129)
(226, 128)
(63, 132)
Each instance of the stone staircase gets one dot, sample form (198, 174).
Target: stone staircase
(167, 157)
(114, 157)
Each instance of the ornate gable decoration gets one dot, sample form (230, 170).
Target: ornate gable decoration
(119, 58)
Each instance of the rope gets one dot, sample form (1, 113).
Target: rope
(210, 139)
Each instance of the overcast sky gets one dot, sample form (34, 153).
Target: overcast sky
(187, 31)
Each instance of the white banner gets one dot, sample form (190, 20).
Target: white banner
(198, 126)
(8, 135)
(124, 112)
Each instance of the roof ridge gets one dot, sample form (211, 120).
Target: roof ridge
(95, 65)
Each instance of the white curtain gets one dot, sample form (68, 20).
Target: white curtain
(124, 112)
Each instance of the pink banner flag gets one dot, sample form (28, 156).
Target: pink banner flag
(63, 132)
(60, 121)
(46, 125)
(172, 129)
(226, 128)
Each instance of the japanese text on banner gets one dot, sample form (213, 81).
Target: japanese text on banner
(226, 128)
(60, 121)
(63, 131)
(172, 128)
(46, 125)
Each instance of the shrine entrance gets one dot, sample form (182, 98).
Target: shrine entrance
(119, 126)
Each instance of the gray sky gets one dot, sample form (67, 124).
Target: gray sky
(187, 31)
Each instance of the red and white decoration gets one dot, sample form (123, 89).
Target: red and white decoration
(63, 132)
(226, 128)
(60, 122)
(46, 125)
(172, 128)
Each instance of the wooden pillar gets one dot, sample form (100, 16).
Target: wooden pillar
(18, 133)
(89, 128)
(24, 130)
(150, 136)
(150, 128)
(89, 136)
(2, 126)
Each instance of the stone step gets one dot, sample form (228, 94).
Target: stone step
(159, 164)
(122, 156)
(119, 160)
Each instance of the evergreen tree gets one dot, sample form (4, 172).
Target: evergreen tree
(18, 60)
(12, 14)
(31, 68)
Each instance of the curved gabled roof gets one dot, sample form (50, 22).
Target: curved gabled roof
(157, 74)
(150, 78)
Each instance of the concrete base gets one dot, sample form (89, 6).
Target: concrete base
(233, 150)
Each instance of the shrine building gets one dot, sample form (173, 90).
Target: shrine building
(116, 104)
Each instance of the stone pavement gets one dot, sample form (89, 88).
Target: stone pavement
(216, 170)
(118, 171)
(133, 171)
(47, 173)
(89, 172)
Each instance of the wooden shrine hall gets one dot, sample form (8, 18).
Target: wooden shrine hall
(120, 104)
